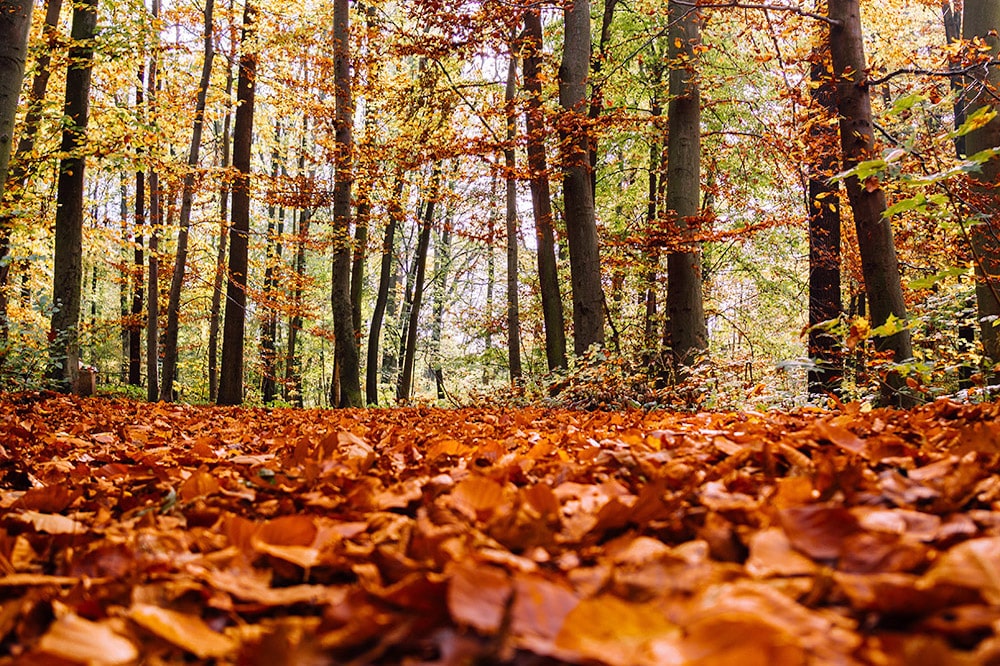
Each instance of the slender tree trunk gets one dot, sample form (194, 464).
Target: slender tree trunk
(293, 366)
(491, 271)
(220, 256)
(597, 90)
(234, 324)
(172, 330)
(67, 274)
(878, 253)
(953, 32)
(513, 313)
(358, 261)
(15, 20)
(541, 199)
(155, 218)
(442, 265)
(578, 197)
(343, 324)
(650, 337)
(420, 259)
(685, 308)
(824, 236)
(395, 215)
(13, 184)
(138, 259)
(269, 315)
(979, 19)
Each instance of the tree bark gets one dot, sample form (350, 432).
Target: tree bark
(597, 90)
(15, 21)
(420, 259)
(979, 18)
(172, 330)
(442, 265)
(395, 215)
(578, 197)
(220, 255)
(64, 356)
(685, 308)
(269, 315)
(878, 253)
(952, 20)
(513, 313)
(152, 275)
(234, 323)
(138, 259)
(343, 323)
(541, 199)
(15, 180)
(824, 237)
(293, 366)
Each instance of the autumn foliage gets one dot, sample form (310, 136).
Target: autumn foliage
(173, 534)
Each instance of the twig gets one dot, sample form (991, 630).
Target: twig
(764, 7)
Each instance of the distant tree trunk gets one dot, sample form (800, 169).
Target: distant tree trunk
(16, 178)
(491, 270)
(513, 314)
(152, 275)
(358, 261)
(578, 197)
(655, 171)
(390, 358)
(981, 18)
(269, 316)
(442, 264)
(343, 323)
(234, 324)
(824, 236)
(64, 353)
(220, 255)
(15, 20)
(685, 308)
(293, 366)
(172, 330)
(420, 259)
(597, 90)
(878, 253)
(139, 216)
(953, 32)
(395, 214)
(541, 199)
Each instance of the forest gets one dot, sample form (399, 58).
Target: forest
(675, 203)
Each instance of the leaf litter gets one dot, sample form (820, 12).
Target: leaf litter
(168, 534)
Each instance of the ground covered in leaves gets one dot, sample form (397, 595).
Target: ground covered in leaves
(161, 534)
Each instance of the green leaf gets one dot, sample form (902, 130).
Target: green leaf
(930, 280)
(892, 326)
(862, 170)
(916, 202)
(906, 103)
(979, 118)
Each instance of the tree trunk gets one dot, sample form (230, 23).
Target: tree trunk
(139, 217)
(358, 262)
(343, 323)
(953, 32)
(67, 274)
(395, 215)
(878, 253)
(442, 265)
(578, 197)
(824, 236)
(234, 323)
(541, 200)
(420, 259)
(597, 90)
(152, 276)
(685, 308)
(269, 315)
(513, 314)
(12, 186)
(655, 175)
(220, 255)
(172, 330)
(15, 20)
(293, 366)
(979, 19)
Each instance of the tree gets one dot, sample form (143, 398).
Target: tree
(578, 195)
(220, 255)
(824, 235)
(980, 21)
(184, 222)
(15, 20)
(541, 200)
(687, 330)
(394, 214)
(883, 286)
(513, 314)
(64, 355)
(153, 273)
(234, 323)
(343, 321)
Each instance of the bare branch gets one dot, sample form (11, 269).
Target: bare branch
(762, 7)
(916, 71)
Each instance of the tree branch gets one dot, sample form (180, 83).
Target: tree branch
(762, 7)
(916, 71)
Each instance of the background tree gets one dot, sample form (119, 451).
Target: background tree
(67, 255)
(15, 20)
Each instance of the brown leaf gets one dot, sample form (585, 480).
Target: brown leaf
(84, 642)
(185, 631)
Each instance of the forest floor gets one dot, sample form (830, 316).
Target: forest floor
(168, 534)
